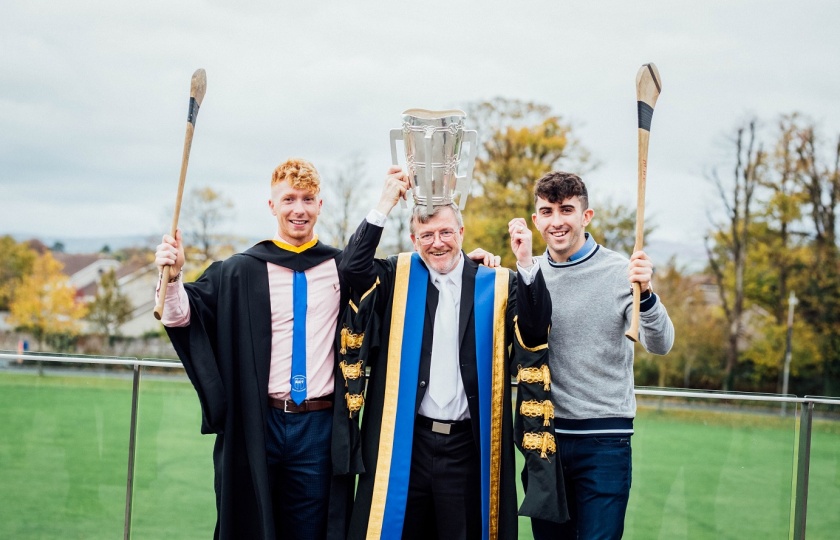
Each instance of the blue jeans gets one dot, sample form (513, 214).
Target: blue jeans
(597, 472)
(298, 452)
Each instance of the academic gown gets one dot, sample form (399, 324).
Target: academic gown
(226, 351)
(360, 269)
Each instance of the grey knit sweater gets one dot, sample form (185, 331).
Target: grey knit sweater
(591, 360)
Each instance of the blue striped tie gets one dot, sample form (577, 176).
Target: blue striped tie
(298, 380)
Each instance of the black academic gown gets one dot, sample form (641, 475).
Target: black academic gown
(226, 351)
(360, 269)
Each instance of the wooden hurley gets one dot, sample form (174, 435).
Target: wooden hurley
(648, 87)
(198, 86)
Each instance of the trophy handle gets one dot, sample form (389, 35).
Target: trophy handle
(428, 169)
(463, 182)
(397, 135)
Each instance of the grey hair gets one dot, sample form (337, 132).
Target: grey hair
(422, 214)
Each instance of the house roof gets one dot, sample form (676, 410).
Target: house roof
(73, 262)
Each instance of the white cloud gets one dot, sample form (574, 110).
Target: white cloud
(93, 95)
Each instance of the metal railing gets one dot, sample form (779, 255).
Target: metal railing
(804, 419)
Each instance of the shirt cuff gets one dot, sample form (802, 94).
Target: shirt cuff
(645, 304)
(176, 305)
(528, 274)
(375, 217)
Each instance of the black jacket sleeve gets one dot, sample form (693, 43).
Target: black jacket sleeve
(534, 310)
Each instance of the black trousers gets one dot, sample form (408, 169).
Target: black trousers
(444, 489)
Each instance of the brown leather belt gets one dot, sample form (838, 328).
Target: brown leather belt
(308, 405)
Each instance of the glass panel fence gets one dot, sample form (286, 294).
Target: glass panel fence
(704, 465)
(173, 479)
(63, 449)
(707, 468)
(823, 518)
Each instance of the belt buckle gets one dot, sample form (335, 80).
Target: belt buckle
(440, 427)
(286, 406)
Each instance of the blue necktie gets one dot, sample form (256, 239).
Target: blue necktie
(298, 380)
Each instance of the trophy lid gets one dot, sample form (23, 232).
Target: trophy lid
(426, 114)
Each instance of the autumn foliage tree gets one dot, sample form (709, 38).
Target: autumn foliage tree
(520, 142)
(205, 212)
(16, 262)
(110, 308)
(45, 302)
(727, 244)
(780, 235)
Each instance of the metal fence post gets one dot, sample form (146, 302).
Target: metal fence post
(132, 442)
(803, 465)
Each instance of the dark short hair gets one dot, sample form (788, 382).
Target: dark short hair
(557, 186)
(422, 214)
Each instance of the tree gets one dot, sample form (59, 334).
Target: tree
(205, 211)
(690, 363)
(521, 142)
(614, 226)
(820, 180)
(45, 302)
(110, 308)
(16, 262)
(344, 205)
(399, 239)
(726, 246)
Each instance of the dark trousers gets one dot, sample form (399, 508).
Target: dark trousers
(444, 489)
(298, 451)
(597, 472)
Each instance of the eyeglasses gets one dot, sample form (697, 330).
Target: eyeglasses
(428, 238)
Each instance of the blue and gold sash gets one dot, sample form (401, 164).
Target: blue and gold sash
(390, 490)
(491, 297)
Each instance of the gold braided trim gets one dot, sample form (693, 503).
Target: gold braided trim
(349, 339)
(534, 408)
(354, 306)
(354, 402)
(522, 343)
(532, 375)
(350, 371)
(544, 442)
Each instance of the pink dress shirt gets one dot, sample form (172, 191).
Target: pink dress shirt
(324, 295)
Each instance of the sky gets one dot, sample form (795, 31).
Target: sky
(94, 95)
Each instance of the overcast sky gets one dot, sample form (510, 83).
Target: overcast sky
(93, 95)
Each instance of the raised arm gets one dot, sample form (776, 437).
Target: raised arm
(359, 264)
(176, 307)
(532, 298)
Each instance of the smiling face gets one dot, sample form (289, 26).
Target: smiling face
(562, 226)
(295, 185)
(296, 210)
(439, 239)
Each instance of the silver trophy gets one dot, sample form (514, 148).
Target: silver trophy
(433, 141)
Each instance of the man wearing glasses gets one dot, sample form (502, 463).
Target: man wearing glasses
(426, 437)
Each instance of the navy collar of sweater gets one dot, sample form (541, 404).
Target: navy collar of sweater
(589, 247)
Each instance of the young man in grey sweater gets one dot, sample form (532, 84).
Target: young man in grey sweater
(590, 359)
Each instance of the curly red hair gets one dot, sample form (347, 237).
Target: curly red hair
(300, 174)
